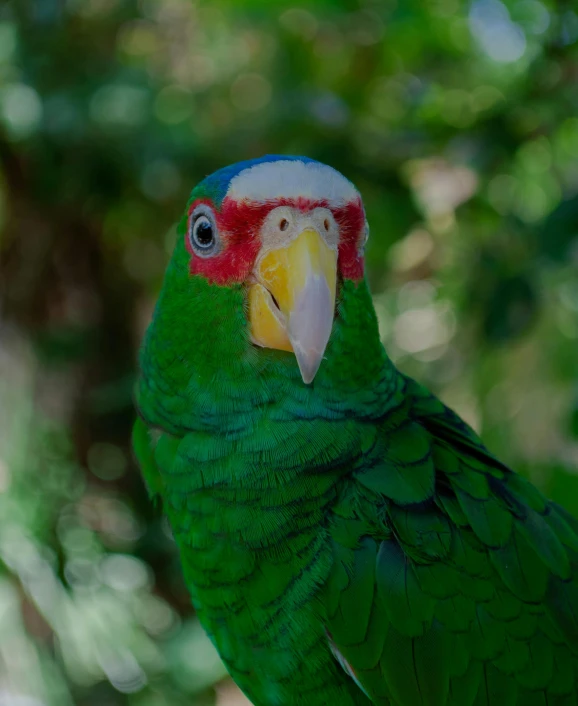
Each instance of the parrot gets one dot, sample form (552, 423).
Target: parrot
(346, 538)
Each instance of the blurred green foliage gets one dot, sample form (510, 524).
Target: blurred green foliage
(458, 122)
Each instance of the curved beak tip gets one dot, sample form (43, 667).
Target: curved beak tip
(308, 368)
(310, 325)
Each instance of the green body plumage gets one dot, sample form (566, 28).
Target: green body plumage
(355, 520)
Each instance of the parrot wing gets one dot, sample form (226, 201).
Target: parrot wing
(455, 583)
(143, 447)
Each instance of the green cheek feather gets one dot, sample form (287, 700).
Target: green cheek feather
(347, 541)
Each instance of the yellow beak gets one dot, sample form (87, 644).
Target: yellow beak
(292, 304)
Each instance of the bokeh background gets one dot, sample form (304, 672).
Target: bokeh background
(457, 120)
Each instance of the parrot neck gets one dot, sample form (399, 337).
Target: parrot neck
(207, 375)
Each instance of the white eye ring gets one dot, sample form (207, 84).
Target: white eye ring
(203, 234)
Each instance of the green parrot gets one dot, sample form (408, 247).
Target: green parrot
(345, 537)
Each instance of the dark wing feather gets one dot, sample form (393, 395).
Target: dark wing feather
(465, 592)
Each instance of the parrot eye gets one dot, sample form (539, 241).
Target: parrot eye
(203, 234)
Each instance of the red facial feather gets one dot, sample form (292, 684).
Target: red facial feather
(239, 224)
(351, 221)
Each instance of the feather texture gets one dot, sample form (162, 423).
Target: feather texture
(487, 563)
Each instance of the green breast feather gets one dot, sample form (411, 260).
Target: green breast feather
(345, 537)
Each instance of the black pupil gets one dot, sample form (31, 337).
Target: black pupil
(204, 234)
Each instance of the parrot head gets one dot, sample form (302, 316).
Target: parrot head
(266, 250)
(287, 230)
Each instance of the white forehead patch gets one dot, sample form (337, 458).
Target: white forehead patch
(268, 181)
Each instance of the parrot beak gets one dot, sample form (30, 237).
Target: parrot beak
(292, 302)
